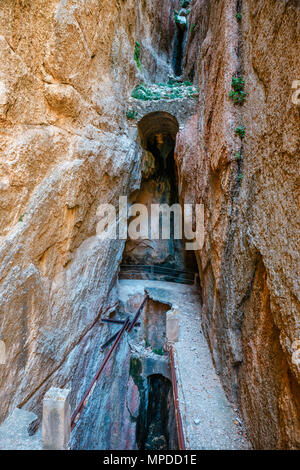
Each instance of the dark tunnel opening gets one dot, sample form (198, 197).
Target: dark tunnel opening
(178, 51)
(159, 185)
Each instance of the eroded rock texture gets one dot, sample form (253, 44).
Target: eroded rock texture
(67, 70)
(248, 265)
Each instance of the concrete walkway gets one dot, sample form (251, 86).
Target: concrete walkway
(209, 420)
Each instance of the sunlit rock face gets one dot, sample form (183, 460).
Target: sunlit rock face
(248, 265)
(67, 71)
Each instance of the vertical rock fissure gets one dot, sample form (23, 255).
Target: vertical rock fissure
(157, 433)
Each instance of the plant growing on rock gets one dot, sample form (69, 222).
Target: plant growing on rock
(238, 156)
(131, 114)
(240, 131)
(137, 54)
(237, 94)
(238, 97)
(239, 17)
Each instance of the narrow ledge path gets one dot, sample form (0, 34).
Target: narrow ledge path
(209, 421)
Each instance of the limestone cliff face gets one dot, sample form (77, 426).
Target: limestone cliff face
(248, 265)
(67, 70)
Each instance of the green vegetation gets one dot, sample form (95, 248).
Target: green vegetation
(238, 156)
(177, 20)
(172, 90)
(240, 176)
(159, 351)
(238, 83)
(21, 217)
(193, 26)
(237, 93)
(137, 54)
(131, 114)
(239, 17)
(240, 131)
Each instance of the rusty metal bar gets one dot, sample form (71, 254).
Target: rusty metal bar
(108, 310)
(77, 413)
(109, 341)
(181, 441)
(138, 313)
(118, 322)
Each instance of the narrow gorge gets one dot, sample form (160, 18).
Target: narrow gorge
(132, 105)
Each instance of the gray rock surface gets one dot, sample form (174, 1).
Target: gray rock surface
(209, 420)
(15, 432)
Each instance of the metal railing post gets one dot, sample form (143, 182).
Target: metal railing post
(56, 426)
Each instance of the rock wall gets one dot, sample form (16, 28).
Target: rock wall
(248, 265)
(130, 383)
(67, 71)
